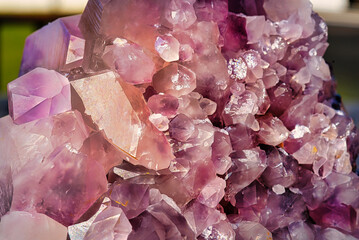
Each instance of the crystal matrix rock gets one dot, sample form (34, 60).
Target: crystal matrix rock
(188, 119)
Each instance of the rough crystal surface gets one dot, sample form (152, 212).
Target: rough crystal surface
(179, 119)
(6, 189)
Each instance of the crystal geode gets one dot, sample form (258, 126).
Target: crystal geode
(178, 119)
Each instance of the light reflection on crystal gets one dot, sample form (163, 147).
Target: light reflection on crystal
(237, 68)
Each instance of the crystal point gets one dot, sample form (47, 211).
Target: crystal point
(111, 223)
(38, 94)
(57, 46)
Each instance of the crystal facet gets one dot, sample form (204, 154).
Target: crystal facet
(38, 94)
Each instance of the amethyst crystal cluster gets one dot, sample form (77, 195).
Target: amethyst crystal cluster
(178, 119)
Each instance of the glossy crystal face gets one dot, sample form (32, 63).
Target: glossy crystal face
(178, 119)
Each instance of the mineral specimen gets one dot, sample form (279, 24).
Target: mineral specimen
(178, 119)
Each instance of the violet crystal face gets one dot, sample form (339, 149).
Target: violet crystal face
(178, 119)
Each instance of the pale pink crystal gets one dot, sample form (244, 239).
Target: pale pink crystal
(164, 104)
(38, 94)
(237, 68)
(30, 226)
(251, 230)
(141, 31)
(111, 223)
(185, 53)
(272, 131)
(296, 19)
(241, 109)
(178, 14)
(209, 64)
(255, 28)
(263, 99)
(182, 128)
(221, 231)
(272, 48)
(200, 216)
(196, 106)
(159, 121)
(167, 47)
(271, 75)
(211, 10)
(299, 111)
(221, 149)
(175, 79)
(212, 193)
(242, 137)
(255, 66)
(125, 59)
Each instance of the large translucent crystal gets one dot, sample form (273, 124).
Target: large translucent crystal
(121, 112)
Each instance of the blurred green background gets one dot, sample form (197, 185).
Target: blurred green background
(343, 55)
(12, 37)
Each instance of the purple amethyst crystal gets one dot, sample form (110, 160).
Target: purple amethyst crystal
(38, 94)
(178, 119)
